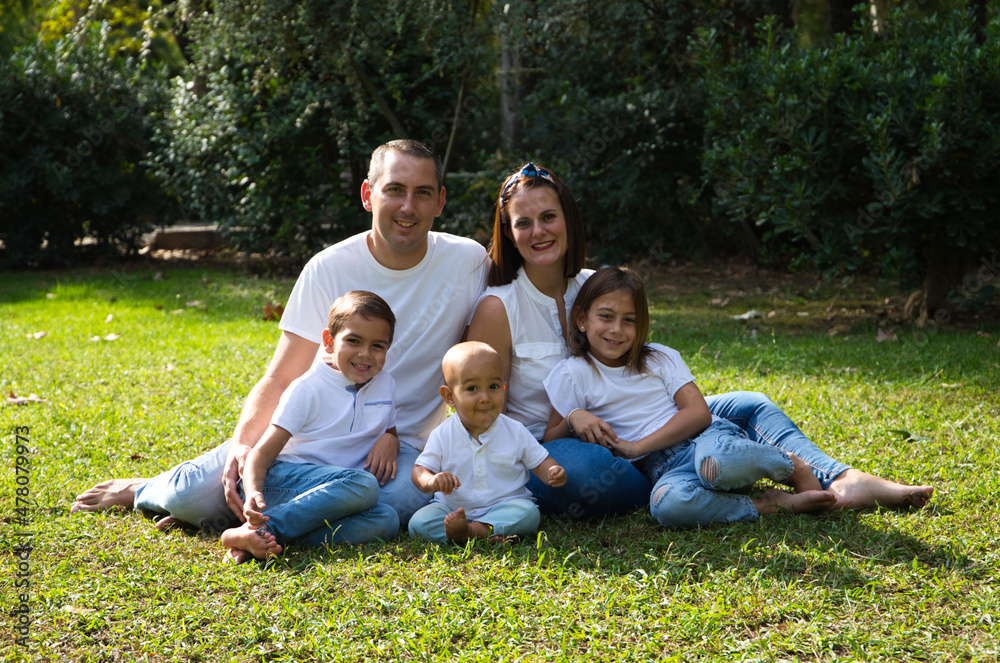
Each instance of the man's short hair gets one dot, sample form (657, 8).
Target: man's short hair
(406, 146)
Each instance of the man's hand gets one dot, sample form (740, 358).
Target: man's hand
(591, 428)
(231, 475)
(382, 459)
(445, 482)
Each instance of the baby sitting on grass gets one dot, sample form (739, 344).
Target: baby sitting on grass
(477, 461)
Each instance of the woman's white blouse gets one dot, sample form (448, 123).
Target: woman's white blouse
(537, 345)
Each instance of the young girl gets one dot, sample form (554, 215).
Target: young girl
(640, 401)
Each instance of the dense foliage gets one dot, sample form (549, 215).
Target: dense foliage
(874, 148)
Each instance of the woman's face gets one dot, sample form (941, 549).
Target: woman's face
(538, 227)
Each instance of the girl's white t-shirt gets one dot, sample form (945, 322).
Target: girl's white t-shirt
(537, 345)
(635, 405)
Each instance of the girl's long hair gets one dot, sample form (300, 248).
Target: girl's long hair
(604, 281)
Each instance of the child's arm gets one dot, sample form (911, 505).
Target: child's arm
(550, 472)
(382, 457)
(429, 482)
(255, 471)
(588, 427)
(692, 419)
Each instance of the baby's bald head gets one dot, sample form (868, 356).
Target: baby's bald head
(464, 360)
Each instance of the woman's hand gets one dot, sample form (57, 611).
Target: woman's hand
(591, 428)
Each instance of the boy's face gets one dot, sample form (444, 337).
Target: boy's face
(475, 389)
(359, 347)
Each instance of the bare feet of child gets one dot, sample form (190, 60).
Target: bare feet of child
(116, 493)
(458, 528)
(859, 490)
(775, 500)
(168, 523)
(802, 477)
(258, 542)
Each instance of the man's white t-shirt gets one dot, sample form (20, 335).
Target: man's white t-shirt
(492, 470)
(432, 302)
(537, 345)
(331, 421)
(635, 405)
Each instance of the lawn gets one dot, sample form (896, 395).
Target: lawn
(188, 342)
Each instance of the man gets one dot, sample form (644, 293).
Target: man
(432, 282)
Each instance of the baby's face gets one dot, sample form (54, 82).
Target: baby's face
(359, 347)
(477, 392)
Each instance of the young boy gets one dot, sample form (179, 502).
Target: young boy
(302, 482)
(478, 461)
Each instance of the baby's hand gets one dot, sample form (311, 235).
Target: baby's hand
(253, 509)
(445, 482)
(557, 476)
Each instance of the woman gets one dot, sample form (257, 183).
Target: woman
(538, 252)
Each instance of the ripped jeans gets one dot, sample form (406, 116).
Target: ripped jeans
(691, 490)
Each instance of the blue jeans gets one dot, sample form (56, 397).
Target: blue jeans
(192, 491)
(316, 505)
(683, 496)
(597, 483)
(516, 517)
(764, 422)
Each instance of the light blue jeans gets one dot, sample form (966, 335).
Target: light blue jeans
(316, 505)
(683, 496)
(516, 517)
(599, 484)
(192, 491)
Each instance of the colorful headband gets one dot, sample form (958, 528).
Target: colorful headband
(530, 170)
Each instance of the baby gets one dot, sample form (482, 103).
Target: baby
(477, 462)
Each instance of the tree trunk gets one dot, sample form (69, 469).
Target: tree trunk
(840, 16)
(936, 300)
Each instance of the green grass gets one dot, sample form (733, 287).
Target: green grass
(881, 585)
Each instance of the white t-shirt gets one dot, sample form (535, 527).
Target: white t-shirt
(537, 345)
(492, 471)
(331, 421)
(635, 405)
(432, 302)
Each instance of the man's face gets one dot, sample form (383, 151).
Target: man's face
(403, 203)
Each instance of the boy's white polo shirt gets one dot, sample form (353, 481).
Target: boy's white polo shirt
(492, 471)
(331, 421)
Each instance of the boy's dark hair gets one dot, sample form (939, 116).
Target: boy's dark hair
(408, 147)
(506, 258)
(604, 281)
(363, 303)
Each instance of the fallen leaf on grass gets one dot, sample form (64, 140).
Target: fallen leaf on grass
(952, 385)
(109, 337)
(273, 312)
(883, 336)
(177, 311)
(109, 318)
(23, 400)
(749, 315)
(717, 301)
(158, 276)
(837, 330)
(77, 611)
(137, 456)
(50, 295)
(983, 334)
(38, 335)
(195, 303)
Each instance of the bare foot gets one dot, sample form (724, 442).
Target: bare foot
(775, 500)
(258, 542)
(237, 556)
(859, 490)
(168, 523)
(802, 477)
(106, 495)
(458, 528)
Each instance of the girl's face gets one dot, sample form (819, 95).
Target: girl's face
(537, 226)
(609, 324)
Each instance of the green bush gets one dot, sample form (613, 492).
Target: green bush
(874, 150)
(74, 123)
(272, 131)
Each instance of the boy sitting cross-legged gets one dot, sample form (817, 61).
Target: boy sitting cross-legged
(478, 460)
(300, 481)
